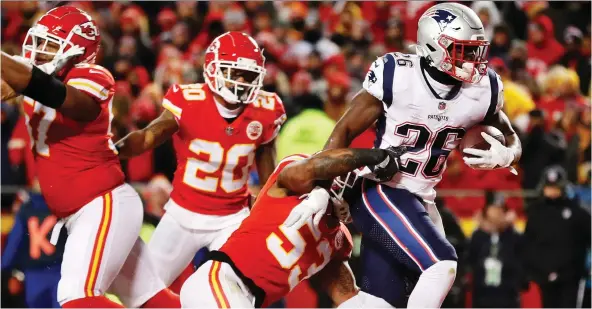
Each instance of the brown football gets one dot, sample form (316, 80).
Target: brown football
(473, 138)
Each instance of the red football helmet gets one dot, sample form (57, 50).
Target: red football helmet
(65, 26)
(234, 67)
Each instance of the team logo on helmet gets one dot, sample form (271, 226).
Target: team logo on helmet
(442, 17)
(254, 130)
(87, 30)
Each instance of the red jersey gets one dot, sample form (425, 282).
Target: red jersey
(277, 258)
(214, 156)
(76, 161)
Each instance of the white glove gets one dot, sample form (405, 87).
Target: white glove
(315, 205)
(497, 156)
(59, 61)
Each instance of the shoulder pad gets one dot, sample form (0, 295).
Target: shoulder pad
(94, 80)
(179, 96)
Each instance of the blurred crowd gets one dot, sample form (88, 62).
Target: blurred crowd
(317, 55)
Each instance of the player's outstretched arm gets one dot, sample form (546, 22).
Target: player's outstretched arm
(30, 81)
(300, 176)
(265, 160)
(7, 92)
(364, 111)
(153, 135)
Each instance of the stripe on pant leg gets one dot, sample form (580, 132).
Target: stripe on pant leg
(408, 225)
(386, 227)
(216, 287)
(99, 246)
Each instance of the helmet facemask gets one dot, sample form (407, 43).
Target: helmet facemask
(465, 60)
(342, 183)
(236, 82)
(41, 46)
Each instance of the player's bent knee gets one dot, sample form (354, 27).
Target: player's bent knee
(443, 268)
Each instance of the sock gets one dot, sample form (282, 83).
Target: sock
(433, 285)
(92, 302)
(163, 299)
(365, 300)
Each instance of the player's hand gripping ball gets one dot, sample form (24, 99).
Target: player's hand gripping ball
(484, 147)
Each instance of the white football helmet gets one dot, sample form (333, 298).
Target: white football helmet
(452, 38)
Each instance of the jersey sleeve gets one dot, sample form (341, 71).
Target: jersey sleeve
(93, 80)
(276, 118)
(497, 95)
(379, 79)
(344, 251)
(173, 101)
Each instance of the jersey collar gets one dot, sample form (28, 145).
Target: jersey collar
(453, 92)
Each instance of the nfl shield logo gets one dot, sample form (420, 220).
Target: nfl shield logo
(442, 106)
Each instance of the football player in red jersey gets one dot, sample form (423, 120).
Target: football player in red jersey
(223, 127)
(67, 107)
(265, 259)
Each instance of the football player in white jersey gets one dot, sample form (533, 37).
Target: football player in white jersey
(425, 102)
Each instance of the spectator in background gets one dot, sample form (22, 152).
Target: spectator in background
(538, 141)
(556, 240)
(298, 135)
(456, 237)
(494, 257)
(517, 100)
(501, 42)
(188, 14)
(577, 56)
(543, 49)
(28, 249)
(337, 95)
(394, 37)
(489, 14)
(520, 73)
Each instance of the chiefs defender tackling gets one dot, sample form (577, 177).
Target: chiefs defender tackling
(222, 126)
(68, 113)
(264, 259)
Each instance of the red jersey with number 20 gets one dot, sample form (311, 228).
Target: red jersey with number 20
(277, 258)
(76, 161)
(214, 156)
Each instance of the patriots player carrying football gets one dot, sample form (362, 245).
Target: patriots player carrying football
(425, 102)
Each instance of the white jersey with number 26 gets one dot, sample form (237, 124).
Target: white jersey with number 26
(430, 125)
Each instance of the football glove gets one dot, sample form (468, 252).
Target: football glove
(314, 205)
(59, 61)
(498, 155)
(385, 170)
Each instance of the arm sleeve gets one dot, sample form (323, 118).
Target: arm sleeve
(497, 95)
(174, 102)
(93, 80)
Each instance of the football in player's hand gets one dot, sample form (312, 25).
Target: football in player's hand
(473, 138)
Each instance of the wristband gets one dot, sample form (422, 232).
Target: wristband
(45, 89)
